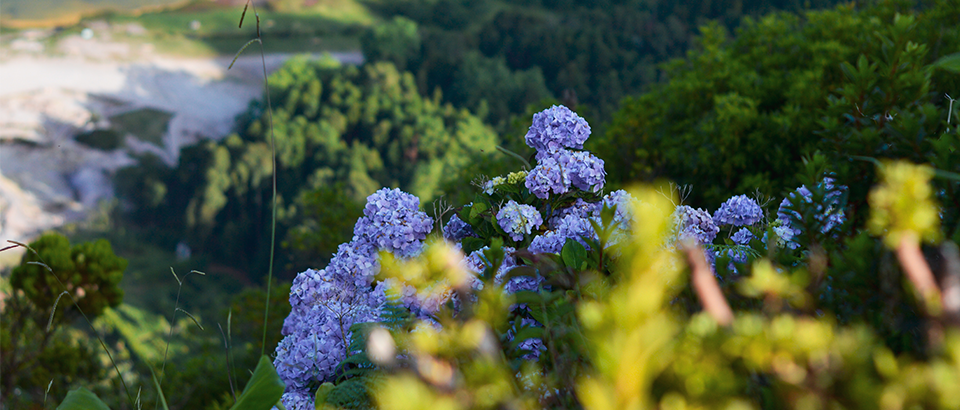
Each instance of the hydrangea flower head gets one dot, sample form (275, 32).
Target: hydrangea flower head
(546, 178)
(557, 127)
(456, 229)
(518, 220)
(739, 210)
(742, 237)
(392, 221)
(586, 171)
(695, 224)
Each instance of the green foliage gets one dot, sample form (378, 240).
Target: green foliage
(263, 390)
(394, 41)
(349, 130)
(594, 53)
(738, 115)
(326, 218)
(89, 271)
(82, 399)
(43, 354)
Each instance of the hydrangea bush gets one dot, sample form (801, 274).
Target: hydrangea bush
(512, 295)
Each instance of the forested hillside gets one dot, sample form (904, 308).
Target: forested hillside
(740, 112)
(341, 133)
(498, 57)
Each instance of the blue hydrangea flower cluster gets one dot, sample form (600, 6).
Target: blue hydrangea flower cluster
(742, 237)
(555, 132)
(392, 221)
(518, 219)
(456, 229)
(739, 210)
(557, 127)
(557, 171)
(298, 400)
(327, 302)
(570, 226)
(695, 224)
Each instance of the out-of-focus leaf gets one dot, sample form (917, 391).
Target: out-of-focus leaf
(950, 63)
(574, 254)
(321, 398)
(82, 399)
(264, 389)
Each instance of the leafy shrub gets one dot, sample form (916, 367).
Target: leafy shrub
(53, 281)
(739, 115)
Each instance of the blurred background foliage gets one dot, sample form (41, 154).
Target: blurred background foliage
(738, 115)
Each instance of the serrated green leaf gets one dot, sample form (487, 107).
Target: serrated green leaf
(82, 399)
(264, 389)
(950, 63)
(573, 253)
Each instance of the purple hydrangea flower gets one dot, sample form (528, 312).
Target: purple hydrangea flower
(739, 210)
(695, 224)
(570, 226)
(392, 221)
(580, 209)
(456, 229)
(546, 178)
(326, 302)
(586, 171)
(300, 399)
(557, 127)
(518, 220)
(742, 237)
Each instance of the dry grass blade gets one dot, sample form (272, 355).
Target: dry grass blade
(242, 15)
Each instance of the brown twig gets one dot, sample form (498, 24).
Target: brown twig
(705, 284)
(917, 269)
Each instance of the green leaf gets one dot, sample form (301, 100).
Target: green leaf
(82, 399)
(156, 383)
(477, 209)
(264, 389)
(574, 254)
(950, 63)
(321, 398)
(471, 244)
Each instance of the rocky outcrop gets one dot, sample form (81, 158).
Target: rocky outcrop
(47, 177)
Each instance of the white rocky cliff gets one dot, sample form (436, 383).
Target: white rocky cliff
(47, 97)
